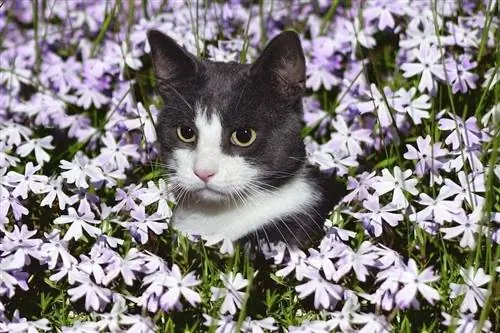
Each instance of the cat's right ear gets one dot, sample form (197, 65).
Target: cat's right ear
(173, 65)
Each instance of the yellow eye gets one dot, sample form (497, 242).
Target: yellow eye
(243, 137)
(186, 134)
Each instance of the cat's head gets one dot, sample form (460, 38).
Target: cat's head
(229, 130)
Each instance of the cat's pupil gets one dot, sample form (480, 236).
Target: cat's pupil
(243, 135)
(187, 132)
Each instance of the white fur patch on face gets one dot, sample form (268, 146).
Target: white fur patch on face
(231, 174)
(237, 221)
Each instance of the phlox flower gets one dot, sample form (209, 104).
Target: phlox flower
(127, 267)
(21, 325)
(20, 241)
(160, 194)
(258, 325)
(428, 65)
(9, 201)
(96, 297)
(415, 281)
(326, 294)
(342, 319)
(145, 122)
(10, 274)
(438, 209)
(459, 75)
(225, 324)
(54, 189)
(127, 198)
(372, 323)
(322, 259)
(116, 154)
(359, 186)
(463, 134)
(338, 161)
(376, 214)
(355, 33)
(56, 248)
(297, 263)
(138, 323)
(462, 35)
(142, 224)
(466, 323)
(233, 298)
(78, 224)
(93, 265)
(79, 170)
(474, 295)
(6, 160)
(420, 30)
(491, 78)
(318, 75)
(112, 320)
(396, 183)
(39, 146)
(468, 226)
(416, 108)
(429, 156)
(166, 288)
(383, 11)
(470, 155)
(378, 104)
(28, 181)
(347, 138)
(359, 261)
(470, 185)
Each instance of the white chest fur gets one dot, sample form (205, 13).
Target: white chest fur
(237, 221)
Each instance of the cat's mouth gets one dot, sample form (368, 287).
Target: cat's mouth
(209, 193)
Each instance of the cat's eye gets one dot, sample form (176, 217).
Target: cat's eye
(186, 134)
(243, 137)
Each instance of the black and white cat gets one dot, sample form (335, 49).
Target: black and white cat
(230, 140)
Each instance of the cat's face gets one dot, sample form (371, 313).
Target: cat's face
(229, 130)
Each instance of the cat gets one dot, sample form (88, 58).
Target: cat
(229, 138)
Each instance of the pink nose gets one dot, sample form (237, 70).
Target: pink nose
(204, 175)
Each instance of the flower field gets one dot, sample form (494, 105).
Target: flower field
(402, 106)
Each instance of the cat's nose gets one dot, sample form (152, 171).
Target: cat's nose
(204, 174)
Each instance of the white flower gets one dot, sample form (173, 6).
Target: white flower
(116, 154)
(474, 295)
(358, 261)
(378, 104)
(78, 171)
(38, 145)
(415, 281)
(78, 224)
(416, 108)
(28, 181)
(233, 298)
(144, 121)
(326, 293)
(398, 183)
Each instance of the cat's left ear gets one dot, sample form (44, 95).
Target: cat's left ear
(283, 62)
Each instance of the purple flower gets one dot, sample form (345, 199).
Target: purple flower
(54, 189)
(326, 293)
(429, 156)
(463, 134)
(78, 224)
(377, 214)
(458, 74)
(383, 11)
(38, 145)
(56, 248)
(358, 261)
(96, 297)
(143, 224)
(428, 64)
(127, 267)
(20, 241)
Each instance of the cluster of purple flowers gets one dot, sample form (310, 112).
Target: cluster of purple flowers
(77, 139)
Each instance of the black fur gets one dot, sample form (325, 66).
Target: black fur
(265, 96)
